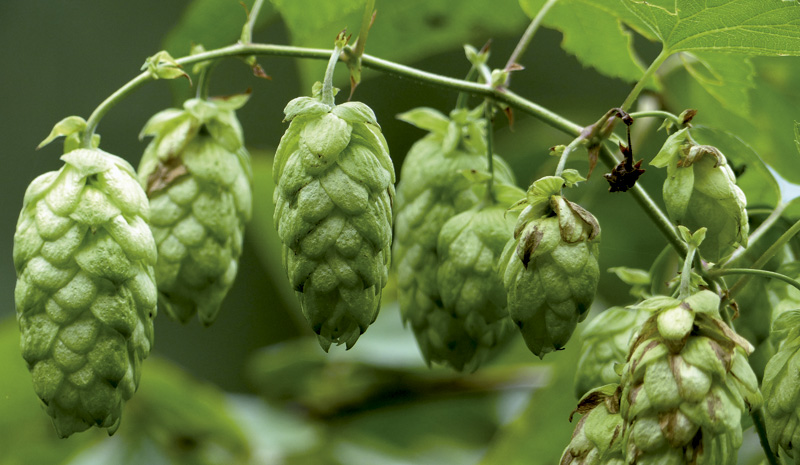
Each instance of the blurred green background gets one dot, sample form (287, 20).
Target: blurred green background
(255, 387)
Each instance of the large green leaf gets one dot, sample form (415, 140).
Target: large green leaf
(727, 77)
(593, 32)
(404, 31)
(753, 27)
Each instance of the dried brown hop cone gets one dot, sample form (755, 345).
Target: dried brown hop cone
(549, 268)
(86, 292)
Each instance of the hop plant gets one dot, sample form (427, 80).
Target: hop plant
(549, 268)
(605, 347)
(781, 387)
(686, 384)
(597, 438)
(701, 191)
(432, 190)
(86, 293)
(196, 173)
(334, 192)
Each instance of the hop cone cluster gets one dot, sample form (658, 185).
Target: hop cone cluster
(549, 268)
(701, 191)
(431, 191)
(686, 384)
(597, 438)
(86, 293)
(605, 345)
(334, 191)
(197, 175)
(781, 388)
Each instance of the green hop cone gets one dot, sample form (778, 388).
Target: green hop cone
(605, 347)
(432, 189)
(197, 175)
(549, 268)
(333, 211)
(781, 388)
(701, 191)
(472, 322)
(686, 384)
(597, 438)
(86, 292)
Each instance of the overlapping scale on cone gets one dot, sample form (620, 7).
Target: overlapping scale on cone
(433, 190)
(781, 388)
(686, 384)
(549, 268)
(196, 172)
(86, 293)
(333, 212)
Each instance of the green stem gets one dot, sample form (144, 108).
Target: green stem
(505, 96)
(754, 272)
(366, 21)
(251, 19)
(562, 161)
(657, 114)
(686, 273)
(764, 258)
(649, 72)
(527, 36)
(327, 83)
(489, 113)
(761, 429)
(463, 97)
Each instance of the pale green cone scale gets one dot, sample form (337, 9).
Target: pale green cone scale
(333, 212)
(86, 293)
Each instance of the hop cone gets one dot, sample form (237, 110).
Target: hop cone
(597, 438)
(605, 345)
(549, 268)
(334, 192)
(432, 189)
(197, 175)
(472, 321)
(85, 294)
(781, 388)
(686, 384)
(701, 191)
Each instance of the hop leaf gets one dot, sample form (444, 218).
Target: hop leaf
(334, 193)
(549, 268)
(85, 294)
(685, 385)
(432, 190)
(197, 176)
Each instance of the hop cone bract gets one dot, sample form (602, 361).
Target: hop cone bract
(781, 388)
(85, 294)
(686, 384)
(197, 175)
(549, 268)
(701, 191)
(431, 190)
(597, 438)
(605, 345)
(333, 211)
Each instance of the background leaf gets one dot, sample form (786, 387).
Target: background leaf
(754, 27)
(727, 77)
